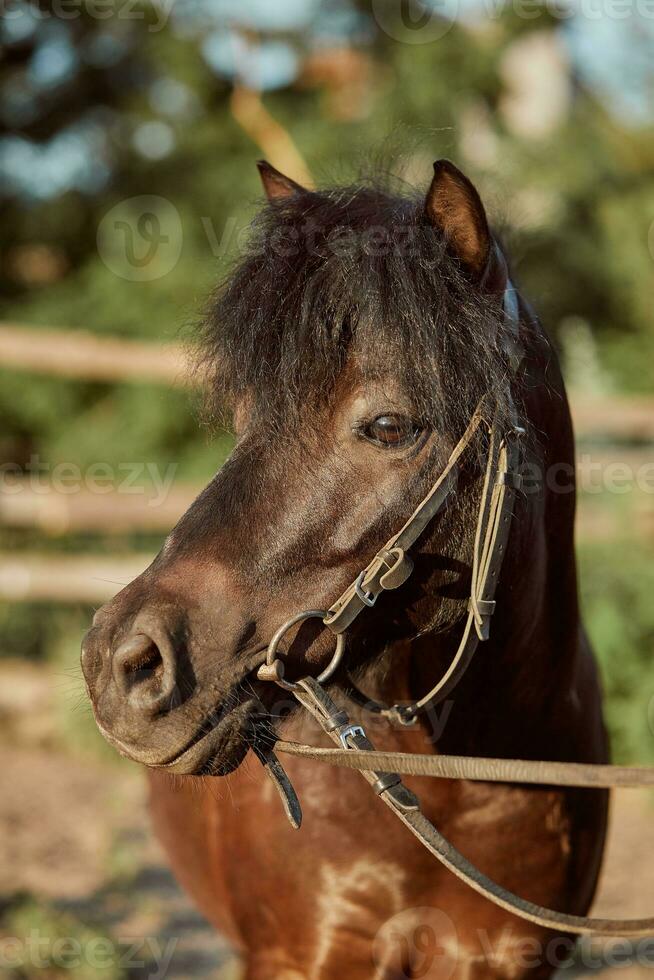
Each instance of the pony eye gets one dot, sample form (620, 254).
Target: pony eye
(391, 430)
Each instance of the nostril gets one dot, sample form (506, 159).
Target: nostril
(143, 674)
(144, 662)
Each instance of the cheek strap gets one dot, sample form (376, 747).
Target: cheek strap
(391, 566)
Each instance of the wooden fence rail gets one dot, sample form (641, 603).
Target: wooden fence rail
(55, 512)
(66, 578)
(96, 578)
(82, 355)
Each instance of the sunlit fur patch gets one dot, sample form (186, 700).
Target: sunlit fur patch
(346, 906)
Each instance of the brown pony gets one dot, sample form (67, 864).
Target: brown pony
(352, 343)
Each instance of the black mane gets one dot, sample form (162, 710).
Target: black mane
(351, 271)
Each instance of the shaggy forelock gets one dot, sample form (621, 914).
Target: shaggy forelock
(350, 272)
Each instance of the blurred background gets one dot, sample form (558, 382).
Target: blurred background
(128, 136)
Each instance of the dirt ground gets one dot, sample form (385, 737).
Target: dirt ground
(77, 858)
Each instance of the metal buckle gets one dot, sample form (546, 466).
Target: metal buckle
(367, 598)
(356, 730)
(510, 479)
(403, 714)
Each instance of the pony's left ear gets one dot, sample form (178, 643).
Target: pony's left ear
(275, 184)
(454, 207)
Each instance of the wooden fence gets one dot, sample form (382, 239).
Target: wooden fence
(79, 354)
(616, 431)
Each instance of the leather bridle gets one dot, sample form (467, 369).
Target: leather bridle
(389, 569)
(392, 566)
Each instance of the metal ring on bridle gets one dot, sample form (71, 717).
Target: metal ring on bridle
(273, 668)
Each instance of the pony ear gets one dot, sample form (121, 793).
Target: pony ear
(275, 184)
(454, 207)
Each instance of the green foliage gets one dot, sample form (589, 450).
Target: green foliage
(42, 940)
(617, 583)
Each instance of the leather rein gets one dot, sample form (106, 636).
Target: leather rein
(389, 569)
